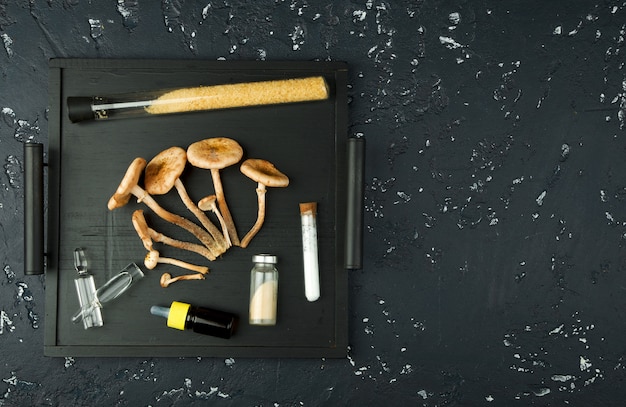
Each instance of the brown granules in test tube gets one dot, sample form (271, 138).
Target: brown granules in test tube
(240, 94)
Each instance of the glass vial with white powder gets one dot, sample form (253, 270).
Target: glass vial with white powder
(263, 290)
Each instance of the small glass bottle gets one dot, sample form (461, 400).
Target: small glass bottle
(263, 290)
(112, 289)
(86, 291)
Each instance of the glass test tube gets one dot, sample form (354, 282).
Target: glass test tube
(308, 217)
(221, 96)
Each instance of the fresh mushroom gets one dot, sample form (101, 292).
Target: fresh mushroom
(163, 173)
(208, 203)
(215, 154)
(167, 279)
(266, 175)
(129, 186)
(153, 258)
(148, 235)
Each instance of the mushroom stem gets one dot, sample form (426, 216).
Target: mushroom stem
(147, 235)
(221, 200)
(142, 229)
(206, 222)
(260, 192)
(153, 258)
(167, 279)
(192, 247)
(208, 204)
(197, 231)
(185, 265)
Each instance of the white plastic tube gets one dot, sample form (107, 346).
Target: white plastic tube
(308, 215)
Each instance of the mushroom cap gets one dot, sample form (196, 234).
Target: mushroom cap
(264, 172)
(151, 260)
(165, 279)
(207, 203)
(214, 153)
(163, 170)
(131, 178)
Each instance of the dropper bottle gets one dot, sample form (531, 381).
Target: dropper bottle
(201, 320)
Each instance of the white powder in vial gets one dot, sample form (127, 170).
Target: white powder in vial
(263, 304)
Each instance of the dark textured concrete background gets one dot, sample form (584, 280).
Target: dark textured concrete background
(495, 188)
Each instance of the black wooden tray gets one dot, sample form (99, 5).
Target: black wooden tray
(87, 160)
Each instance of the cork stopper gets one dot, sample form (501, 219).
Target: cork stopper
(308, 207)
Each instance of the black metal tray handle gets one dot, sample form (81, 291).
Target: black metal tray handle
(354, 202)
(33, 209)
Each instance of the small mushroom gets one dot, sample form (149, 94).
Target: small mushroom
(129, 186)
(148, 235)
(167, 279)
(215, 154)
(153, 258)
(266, 175)
(208, 203)
(163, 173)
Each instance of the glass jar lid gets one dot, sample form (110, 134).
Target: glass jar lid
(264, 258)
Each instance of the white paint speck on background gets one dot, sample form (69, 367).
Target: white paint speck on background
(585, 363)
(603, 196)
(455, 18)
(69, 361)
(8, 44)
(5, 323)
(541, 197)
(449, 42)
